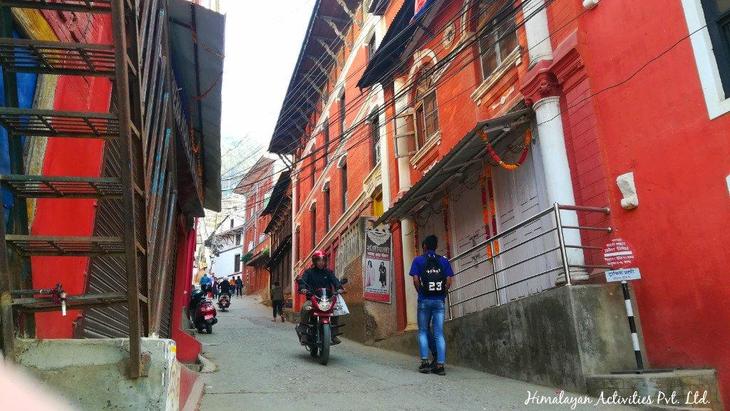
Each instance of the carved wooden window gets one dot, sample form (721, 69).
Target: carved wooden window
(427, 119)
(498, 37)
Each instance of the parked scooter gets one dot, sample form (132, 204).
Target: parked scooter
(316, 334)
(202, 312)
(224, 301)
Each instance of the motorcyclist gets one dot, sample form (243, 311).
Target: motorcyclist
(225, 287)
(205, 283)
(318, 276)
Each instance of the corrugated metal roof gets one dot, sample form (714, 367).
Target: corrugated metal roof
(301, 97)
(391, 47)
(277, 193)
(197, 38)
(471, 148)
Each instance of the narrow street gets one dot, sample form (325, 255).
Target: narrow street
(262, 367)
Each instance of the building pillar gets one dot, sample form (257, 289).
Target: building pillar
(559, 185)
(294, 245)
(408, 236)
(407, 225)
(541, 87)
(538, 31)
(384, 163)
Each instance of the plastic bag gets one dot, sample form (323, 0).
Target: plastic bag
(340, 307)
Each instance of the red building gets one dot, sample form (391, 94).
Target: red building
(177, 172)
(651, 98)
(467, 119)
(256, 186)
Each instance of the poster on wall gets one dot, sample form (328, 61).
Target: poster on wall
(378, 269)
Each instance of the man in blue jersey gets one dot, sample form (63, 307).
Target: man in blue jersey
(432, 275)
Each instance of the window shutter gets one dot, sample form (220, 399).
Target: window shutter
(405, 134)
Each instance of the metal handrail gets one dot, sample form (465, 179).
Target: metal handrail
(562, 248)
(506, 250)
(503, 234)
(504, 268)
(508, 285)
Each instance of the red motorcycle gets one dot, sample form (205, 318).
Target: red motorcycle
(316, 334)
(224, 301)
(202, 312)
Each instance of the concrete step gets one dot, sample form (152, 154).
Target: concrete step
(671, 390)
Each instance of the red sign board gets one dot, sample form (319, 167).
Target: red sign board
(618, 253)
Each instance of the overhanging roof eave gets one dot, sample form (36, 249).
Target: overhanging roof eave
(469, 147)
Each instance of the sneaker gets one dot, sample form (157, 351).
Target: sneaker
(433, 363)
(439, 370)
(425, 367)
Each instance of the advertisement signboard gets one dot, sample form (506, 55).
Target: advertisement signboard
(377, 265)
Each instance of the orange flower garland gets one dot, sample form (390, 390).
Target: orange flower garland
(508, 166)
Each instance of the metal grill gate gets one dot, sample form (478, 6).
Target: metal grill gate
(132, 249)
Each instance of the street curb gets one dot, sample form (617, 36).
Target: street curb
(207, 366)
(196, 395)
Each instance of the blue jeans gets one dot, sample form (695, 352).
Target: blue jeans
(431, 329)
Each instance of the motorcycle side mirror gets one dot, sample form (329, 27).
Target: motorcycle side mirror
(344, 281)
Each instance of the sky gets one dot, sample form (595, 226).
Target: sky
(263, 39)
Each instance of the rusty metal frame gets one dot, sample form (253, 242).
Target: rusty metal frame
(52, 57)
(84, 6)
(124, 26)
(146, 121)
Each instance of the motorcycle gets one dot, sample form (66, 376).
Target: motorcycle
(202, 312)
(224, 301)
(316, 334)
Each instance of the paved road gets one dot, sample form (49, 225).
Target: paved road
(261, 366)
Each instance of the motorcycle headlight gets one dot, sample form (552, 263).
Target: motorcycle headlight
(325, 304)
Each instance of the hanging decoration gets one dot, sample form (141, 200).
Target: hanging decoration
(489, 216)
(445, 207)
(493, 154)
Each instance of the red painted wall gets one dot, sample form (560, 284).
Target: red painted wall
(634, 115)
(71, 157)
(188, 347)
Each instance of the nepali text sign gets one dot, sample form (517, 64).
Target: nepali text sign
(623, 274)
(618, 254)
(377, 263)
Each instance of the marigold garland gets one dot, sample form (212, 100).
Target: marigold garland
(508, 166)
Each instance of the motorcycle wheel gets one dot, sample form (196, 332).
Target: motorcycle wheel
(209, 328)
(324, 354)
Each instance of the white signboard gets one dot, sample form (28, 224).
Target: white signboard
(378, 276)
(624, 274)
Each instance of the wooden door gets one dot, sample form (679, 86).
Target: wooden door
(519, 195)
(468, 230)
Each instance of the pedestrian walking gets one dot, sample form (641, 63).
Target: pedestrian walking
(239, 287)
(432, 275)
(232, 286)
(277, 301)
(216, 289)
